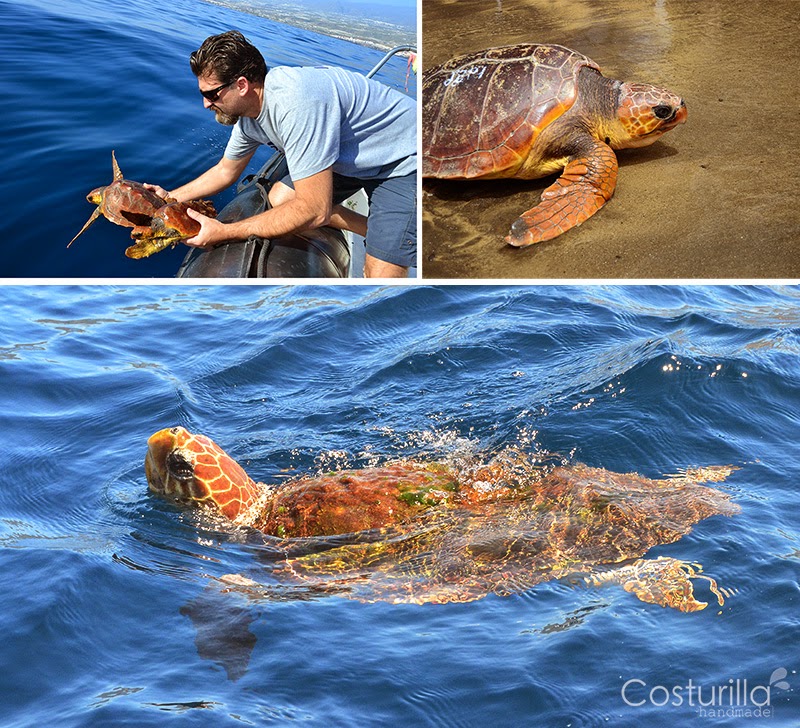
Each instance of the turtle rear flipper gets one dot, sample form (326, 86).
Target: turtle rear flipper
(665, 581)
(147, 246)
(587, 183)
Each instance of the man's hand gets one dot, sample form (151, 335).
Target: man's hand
(211, 231)
(160, 191)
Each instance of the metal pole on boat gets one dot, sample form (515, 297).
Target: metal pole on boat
(385, 59)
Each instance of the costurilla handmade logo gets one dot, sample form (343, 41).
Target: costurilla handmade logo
(736, 698)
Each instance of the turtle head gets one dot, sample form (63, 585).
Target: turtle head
(96, 195)
(644, 113)
(193, 469)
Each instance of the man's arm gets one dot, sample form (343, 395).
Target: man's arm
(221, 176)
(310, 208)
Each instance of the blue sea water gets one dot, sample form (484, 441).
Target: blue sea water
(106, 610)
(85, 77)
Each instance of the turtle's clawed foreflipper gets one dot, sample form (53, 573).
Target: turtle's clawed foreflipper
(94, 217)
(587, 183)
(665, 581)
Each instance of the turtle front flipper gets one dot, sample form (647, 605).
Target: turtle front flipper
(665, 581)
(587, 183)
(115, 166)
(94, 217)
(222, 626)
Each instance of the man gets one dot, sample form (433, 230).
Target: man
(340, 132)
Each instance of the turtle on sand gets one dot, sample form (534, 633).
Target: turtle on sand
(527, 111)
(422, 532)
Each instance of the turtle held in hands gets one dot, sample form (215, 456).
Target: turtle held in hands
(122, 202)
(422, 532)
(157, 222)
(527, 111)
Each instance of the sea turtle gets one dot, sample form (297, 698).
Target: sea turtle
(527, 111)
(170, 224)
(123, 202)
(422, 532)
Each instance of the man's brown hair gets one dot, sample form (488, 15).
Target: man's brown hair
(228, 56)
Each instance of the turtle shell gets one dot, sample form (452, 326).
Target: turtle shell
(483, 112)
(129, 203)
(574, 520)
(173, 218)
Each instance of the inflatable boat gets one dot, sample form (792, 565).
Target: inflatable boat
(321, 253)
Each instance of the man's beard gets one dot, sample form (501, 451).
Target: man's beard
(225, 119)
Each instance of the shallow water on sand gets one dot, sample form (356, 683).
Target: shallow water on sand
(108, 608)
(713, 198)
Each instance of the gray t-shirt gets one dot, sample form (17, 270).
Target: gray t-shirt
(330, 117)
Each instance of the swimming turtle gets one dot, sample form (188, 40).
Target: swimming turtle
(169, 225)
(527, 111)
(422, 532)
(123, 202)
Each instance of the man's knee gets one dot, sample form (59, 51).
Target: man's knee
(376, 268)
(280, 193)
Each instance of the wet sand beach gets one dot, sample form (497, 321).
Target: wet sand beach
(714, 198)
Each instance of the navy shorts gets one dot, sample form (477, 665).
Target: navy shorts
(392, 221)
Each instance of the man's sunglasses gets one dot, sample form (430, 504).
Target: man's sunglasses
(212, 94)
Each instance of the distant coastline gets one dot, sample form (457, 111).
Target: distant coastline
(361, 30)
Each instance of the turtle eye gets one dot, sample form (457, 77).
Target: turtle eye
(662, 111)
(179, 466)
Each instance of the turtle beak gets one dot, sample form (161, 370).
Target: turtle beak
(679, 117)
(159, 447)
(681, 114)
(154, 475)
(95, 196)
